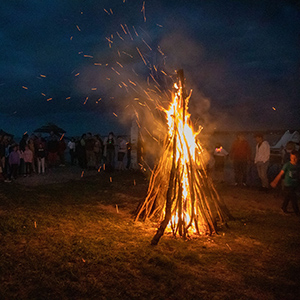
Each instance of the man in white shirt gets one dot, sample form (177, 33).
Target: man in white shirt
(262, 157)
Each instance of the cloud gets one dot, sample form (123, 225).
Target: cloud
(240, 58)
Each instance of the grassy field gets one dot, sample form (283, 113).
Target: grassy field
(78, 240)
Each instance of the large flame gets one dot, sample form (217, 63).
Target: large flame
(178, 120)
(180, 193)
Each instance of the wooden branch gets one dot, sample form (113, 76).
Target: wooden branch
(164, 223)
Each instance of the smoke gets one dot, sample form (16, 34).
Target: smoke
(135, 74)
(134, 78)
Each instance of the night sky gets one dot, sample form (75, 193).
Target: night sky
(85, 65)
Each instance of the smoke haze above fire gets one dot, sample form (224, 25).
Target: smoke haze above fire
(71, 63)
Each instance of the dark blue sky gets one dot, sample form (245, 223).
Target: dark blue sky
(59, 57)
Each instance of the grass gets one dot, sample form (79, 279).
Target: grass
(78, 240)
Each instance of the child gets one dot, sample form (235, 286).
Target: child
(290, 170)
(14, 163)
(28, 160)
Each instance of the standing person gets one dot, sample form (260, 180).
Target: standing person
(240, 153)
(61, 151)
(80, 151)
(98, 150)
(262, 157)
(220, 155)
(89, 151)
(22, 144)
(122, 148)
(14, 163)
(109, 151)
(39, 139)
(52, 148)
(41, 154)
(72, 149)
(291, 173)
(32, 145)
(9, 143)
(28, 160)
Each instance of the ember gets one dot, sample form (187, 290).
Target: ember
(181, 195)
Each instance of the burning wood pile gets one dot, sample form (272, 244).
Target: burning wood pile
(181, 195)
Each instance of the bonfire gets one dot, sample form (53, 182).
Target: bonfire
(181, 195)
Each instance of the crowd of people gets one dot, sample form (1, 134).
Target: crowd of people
(241, 157)
(36, 154)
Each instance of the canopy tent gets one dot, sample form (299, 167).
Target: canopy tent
(50, 127)
(288, 136)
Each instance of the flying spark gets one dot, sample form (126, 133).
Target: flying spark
(141, 55)
(106, 11)
(120, 36)
(123, 28)
(143, 11)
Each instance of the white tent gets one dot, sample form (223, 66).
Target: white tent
(287, 137)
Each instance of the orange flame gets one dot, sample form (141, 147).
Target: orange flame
(180, 192)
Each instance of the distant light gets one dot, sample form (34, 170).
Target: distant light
(273, 108)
